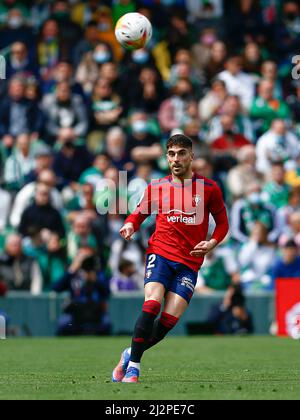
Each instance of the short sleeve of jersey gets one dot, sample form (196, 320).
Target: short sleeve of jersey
(216, 203)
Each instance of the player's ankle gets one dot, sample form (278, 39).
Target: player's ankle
(134, 365)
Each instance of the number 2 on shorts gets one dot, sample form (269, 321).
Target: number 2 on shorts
(151, 262)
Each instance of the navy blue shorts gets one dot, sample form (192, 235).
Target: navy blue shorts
(175, 277)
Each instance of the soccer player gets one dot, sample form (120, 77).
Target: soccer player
(183, 203)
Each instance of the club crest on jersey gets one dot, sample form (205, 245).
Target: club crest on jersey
(148, 274)
(197, 199)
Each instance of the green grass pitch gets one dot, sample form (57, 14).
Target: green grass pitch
(178, 369)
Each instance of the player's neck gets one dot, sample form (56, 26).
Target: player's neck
(188, 175)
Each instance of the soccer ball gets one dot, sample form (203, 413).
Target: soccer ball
(133, 31)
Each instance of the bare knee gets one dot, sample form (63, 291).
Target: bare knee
(154, 291)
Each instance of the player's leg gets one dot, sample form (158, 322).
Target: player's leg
(174, 308)
(154, 295)
(177, 301)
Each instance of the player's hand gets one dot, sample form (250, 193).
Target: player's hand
(127, 231)
(204, 248)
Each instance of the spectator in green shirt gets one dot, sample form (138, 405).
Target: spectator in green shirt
(266, 108)
(277, 190)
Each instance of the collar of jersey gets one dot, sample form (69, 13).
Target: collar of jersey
(180, 185)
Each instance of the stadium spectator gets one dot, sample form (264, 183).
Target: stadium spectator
(94, 175)
(292, 229)
(20, 62)
(252, 59)
(19, 165)
(87, 44)
(16, 28)
(5, 206)
(212, 103)
(216, 64)
(245, 22)
(242, 124)
(293, 206)
(41, 214)
(48, 250)
(87, 313)
(247, 211)
(116, 149)
(269, 71)
(81, 237)
(266, 108)
(70, 162)
(43, 160)
(277, 144)
(142, 145)
(18, 115)
(126, 280)
(66, 115)
(70, 31)
(84, 12)
(26, 195)
(237, 82)
(288, 266)
(106, 111)
(63, 72)
(50, 49)
(276, 191)
(256, 259)
(232, 316)
(172, 110)
(148, 93)
(226, 147)
(219, 271)
(244, 173)
(17, 271)
(88, 70)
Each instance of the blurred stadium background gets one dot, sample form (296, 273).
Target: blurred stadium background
(75, 109)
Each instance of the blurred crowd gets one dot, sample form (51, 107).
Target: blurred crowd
(75, 109)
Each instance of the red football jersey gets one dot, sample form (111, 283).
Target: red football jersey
(183, 212)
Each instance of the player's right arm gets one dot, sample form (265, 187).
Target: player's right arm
(142, 212)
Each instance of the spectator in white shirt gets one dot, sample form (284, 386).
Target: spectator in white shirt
(237, 82)
(278, 144)
(5, 202)
(256, 259)
(20, 164)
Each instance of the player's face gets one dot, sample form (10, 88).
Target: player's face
(180, 161)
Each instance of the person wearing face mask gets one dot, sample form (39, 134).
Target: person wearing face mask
(142, 146)
(88, 70)
(16, 29)
(249, 210)
(87, 44)
(134, 62)
(106, 30)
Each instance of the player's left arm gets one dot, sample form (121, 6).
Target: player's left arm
(218, 210)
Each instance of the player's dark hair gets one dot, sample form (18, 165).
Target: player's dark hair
(181, 141)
